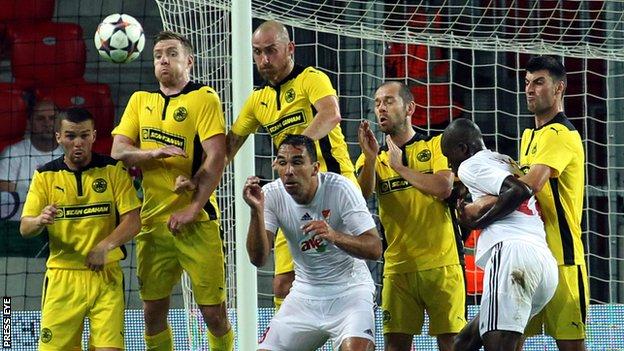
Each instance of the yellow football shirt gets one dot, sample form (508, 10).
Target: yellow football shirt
(558, 144)
(418, 227)
(88, 203)
(185, 120)
(288, 108)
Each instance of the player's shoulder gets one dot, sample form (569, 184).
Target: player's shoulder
(100, 160)
(310, 72)
(55, 165)
(336, 183)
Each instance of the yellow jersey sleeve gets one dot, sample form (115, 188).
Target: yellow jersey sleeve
(438, 160)
(36, 199)
(359, 163)
(557, 158)
(246, 123)
(317, 85)
(211, 120)
(126, 198)
(129, 123)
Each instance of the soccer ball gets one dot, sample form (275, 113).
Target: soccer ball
(119, 38)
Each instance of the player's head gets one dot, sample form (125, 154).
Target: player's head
(272, 51)
(76, 134)
(173, 58)
(41, 121)
(394, 106)
(545, 84)
(461, 139)
(297, 167)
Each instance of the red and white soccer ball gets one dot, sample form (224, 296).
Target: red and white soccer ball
(119, 38)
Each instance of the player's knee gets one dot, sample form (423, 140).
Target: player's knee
(155, 311)
(282, 284)
(214, 316)
(462, 342)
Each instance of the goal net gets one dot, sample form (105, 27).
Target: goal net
(460, 59)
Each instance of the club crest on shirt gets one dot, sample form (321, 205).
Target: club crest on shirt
(180, 114)
(290, 95)
(99, 185)
(46, 335)
(424, 155)
(326, 213)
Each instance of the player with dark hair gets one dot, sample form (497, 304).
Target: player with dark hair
(552, 156)
(90, 209)
(422, 271)
(330, 232)
(177, 132)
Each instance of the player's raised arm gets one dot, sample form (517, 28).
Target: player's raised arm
(258, 238)
(326, 119)
(124, 149)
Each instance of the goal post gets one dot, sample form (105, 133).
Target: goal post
(460, 58)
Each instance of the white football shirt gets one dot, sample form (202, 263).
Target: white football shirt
(18, 162)
(484, 174)
(322, 270)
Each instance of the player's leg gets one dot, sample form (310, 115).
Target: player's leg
(443, 292)
(158, 270)
(468, 338)
(501, 340)
(567, 325)
(284, 269)
(63, 308)
(200, 252)
(350, 320)
(106, 314)
(403, 313)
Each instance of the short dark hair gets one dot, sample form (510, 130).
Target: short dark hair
(554, 67)
(74, 115)
(404, 91)
(301, 140)
(170, 35)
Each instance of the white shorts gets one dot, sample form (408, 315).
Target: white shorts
(520, 278)
(306, 324)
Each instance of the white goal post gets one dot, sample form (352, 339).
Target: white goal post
(461, 58)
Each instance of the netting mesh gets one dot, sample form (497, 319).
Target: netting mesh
(460, 58)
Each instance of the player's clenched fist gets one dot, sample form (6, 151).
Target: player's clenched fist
(47, 215)
(252, 192)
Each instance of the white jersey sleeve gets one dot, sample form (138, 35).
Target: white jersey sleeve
(481, 176)
(355, 214)
(270, 214)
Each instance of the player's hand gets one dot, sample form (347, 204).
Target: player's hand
(321, 229)
(367, 141)
(96, 258)
(183, 184)
(252, 193)
(396, 154)
(167, 151)
(181, 218)
(47, 215)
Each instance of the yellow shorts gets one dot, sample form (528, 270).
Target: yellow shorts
(197, 249)
(564, 316)
(283, 257)
(439, 291)
(70, 295)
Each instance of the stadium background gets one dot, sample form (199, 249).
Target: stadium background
(448, 82)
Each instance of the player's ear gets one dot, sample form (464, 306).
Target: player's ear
(316, 166)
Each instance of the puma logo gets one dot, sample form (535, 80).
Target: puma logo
(59, 188)
(149, 108)
(264, 104)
